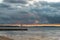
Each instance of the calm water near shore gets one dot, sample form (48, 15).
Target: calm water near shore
(34, 30)
(34, 33)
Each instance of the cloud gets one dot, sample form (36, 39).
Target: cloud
(1, 1)
(52, 0)
(42, 11)
(16, 1)
(48, 12)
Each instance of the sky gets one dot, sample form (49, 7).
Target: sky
(29, 11)
(1, 1)
(38, 0)
(52, 0)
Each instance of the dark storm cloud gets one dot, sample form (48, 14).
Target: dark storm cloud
(44, 12)
(16, 1)
(8, 15)
(49, 12)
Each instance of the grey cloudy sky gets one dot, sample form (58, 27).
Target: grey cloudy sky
(29, 11)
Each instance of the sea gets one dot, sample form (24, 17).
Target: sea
(34, 33)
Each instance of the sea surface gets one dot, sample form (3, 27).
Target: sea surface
(34, 33)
